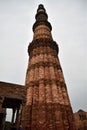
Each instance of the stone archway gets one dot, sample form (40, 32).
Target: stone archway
(11, 96)
(14, 104)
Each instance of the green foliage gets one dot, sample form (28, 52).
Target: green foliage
(7, 125)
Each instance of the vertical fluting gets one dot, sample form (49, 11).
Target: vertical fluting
(47, 103)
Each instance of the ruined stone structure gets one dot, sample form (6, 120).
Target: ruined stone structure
(80, 120)
(11, 96)
(47, 102)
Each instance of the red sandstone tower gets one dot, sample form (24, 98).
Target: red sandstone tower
(47, 103)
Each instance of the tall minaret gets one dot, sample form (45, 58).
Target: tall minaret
(47, 103)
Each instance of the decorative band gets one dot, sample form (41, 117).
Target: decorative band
(45, 82)
(42, 43)
(44, 64)
(43, 53)
(42, 23)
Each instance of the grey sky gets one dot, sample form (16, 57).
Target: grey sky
(69, 23)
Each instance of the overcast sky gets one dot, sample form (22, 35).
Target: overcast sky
(69, 25)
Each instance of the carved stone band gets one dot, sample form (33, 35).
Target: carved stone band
(43, 42)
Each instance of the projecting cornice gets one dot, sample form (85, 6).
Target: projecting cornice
(44, 43)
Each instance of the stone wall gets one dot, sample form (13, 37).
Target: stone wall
(11, 90)
(81, 120)
(11, 96)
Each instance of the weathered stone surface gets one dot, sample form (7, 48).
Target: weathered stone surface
(80, 120)
(47, 106)
(10, 90)
(11, 96)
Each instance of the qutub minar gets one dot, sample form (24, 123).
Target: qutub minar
(47, 102)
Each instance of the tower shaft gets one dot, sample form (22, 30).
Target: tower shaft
(47, 102)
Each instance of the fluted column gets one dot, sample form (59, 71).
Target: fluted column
(47, 102)
(13, 114)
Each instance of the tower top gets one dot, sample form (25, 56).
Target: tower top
(41, 8)
(41, 18)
